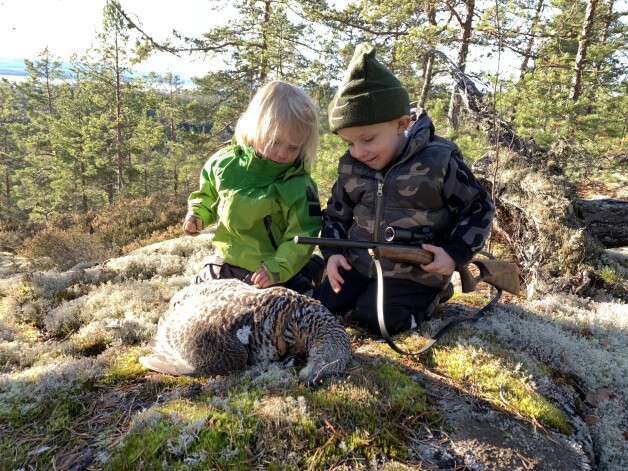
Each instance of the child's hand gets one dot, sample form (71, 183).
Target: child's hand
(192, 226)
(260, 278)
(333, 264)
(442, 264)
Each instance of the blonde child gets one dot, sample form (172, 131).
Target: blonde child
(260, 193)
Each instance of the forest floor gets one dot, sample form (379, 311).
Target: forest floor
(11, 264)
(561, 343)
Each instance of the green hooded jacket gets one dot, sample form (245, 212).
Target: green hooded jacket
(260, 206)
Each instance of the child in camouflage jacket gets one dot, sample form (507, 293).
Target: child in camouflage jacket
(397, 173)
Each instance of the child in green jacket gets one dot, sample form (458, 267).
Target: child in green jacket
(260, 193)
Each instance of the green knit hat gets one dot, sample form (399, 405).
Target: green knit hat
(369, 93)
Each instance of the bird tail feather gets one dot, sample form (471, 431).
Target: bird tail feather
(168, 365)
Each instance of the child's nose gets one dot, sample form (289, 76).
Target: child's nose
(358, 151)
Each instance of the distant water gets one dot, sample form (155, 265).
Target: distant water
(14, 70)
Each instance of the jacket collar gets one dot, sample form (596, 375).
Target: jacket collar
(266, 169)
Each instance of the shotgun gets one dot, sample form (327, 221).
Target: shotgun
(501, 274)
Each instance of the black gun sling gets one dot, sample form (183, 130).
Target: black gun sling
(439, 334)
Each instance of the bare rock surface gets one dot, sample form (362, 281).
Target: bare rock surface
(477, 437)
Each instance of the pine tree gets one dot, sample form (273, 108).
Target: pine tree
(12, 119)
(37, 195)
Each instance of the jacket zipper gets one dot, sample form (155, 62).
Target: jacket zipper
(378, 208)
(379, 202)
(267, 220)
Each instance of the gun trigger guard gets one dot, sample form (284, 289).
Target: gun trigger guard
(484, 271)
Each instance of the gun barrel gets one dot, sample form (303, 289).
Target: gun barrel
(331, 242)
(354, 244)
(402, 253)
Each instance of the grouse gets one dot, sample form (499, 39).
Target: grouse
(221, 326)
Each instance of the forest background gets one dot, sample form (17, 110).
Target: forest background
(83, 137)
(97, 160)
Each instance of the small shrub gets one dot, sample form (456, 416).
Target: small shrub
(63, 248)
(9, 240)
(26, 307)
(128, 221)
(141, 266)
(66, 318)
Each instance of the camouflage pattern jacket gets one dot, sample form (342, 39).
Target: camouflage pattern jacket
(428, 185)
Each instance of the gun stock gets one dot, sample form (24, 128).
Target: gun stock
(501, 274)
(498, 273)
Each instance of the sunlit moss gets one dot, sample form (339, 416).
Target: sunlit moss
(125, 366)
(191, 435)
(365, 415)
(497, 381)
(475, 298)
(402, 393)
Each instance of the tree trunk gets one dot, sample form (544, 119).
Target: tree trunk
(84, 202)
(119, 155)
(597, 69)
(530, 44)
(607, 220)
(430, 12)
(581, 56)
(265, 50)
(467, 29)
(427, 81)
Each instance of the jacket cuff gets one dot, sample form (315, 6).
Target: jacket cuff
(200, 213)
(329, 251)
(459, 252)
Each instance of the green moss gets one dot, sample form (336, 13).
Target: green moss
(13, 453)
(361, 420)
(124, 367)
(346, 405)
(403, 394)
(53, 412)
(89, 347)
(16, 414)
(191, 435)
(497, 381)
(609, 277)
(64, 413)
(145, 446)
(32, 432)
(474, 299)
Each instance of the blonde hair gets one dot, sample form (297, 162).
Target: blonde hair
(279, 107)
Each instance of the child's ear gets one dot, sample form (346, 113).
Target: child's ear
(403, 123)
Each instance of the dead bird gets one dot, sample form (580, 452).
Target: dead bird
(219, 327)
